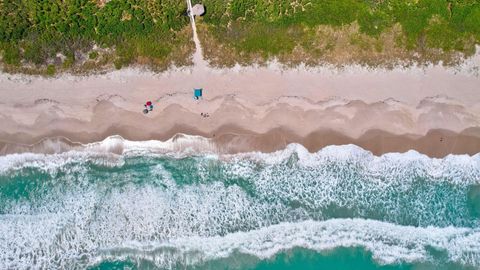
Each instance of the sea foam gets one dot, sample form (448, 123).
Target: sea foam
(182, 145)
(81, 207)
(389, 243)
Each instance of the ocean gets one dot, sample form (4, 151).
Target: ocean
(131, 205)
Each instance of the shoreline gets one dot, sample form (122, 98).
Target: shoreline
(434, 110)
(436, 126)
(233, 140)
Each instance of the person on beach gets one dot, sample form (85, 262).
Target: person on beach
(148, 107)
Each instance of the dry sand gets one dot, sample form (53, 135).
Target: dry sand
(434, 110)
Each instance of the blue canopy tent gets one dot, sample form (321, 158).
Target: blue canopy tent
(197, 93)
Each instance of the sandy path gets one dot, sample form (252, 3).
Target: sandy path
(199, 63)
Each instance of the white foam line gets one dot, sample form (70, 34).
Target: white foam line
(110, 151)
(389, 243)
(141, 222)
(113, 148)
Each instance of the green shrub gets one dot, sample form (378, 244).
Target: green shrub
(37, 30)
(374, 23)
(69, 60)
(93, 55)
(11, 54)
(261, 25)
(118, 64)
(267, 39)
(439, 34)
(472, 21)
(51, 70)
(44, 28)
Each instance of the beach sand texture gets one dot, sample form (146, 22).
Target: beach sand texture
(434, 110)
(249, 175)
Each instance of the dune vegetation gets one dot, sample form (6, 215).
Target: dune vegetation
(340, 31)
(69, 34)
(55, 35)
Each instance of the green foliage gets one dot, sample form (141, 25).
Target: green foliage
(216, 12)
(147, 45)
(51, 70)
(333, 12)
(260, 25)
(374, 22)
(93, 55)
(35, 31)
(41, 29)
(439, 34)
(242, 8)
(69, 61)
(118, 64)
(11, 54)
(13, 20)
(467, 19)
(269, 39)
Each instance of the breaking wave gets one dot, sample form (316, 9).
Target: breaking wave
(172, 205)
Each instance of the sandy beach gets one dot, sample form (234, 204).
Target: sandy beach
(434, 110)
(330, 135)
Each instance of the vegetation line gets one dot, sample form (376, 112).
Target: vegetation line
(83, 35)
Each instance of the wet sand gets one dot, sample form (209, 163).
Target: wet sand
(433, 110)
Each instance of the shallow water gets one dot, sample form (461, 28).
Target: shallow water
(339, 208)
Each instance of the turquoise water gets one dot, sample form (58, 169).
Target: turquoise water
(298, 258)
(339, 208)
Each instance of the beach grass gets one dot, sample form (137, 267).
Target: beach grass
(429, 30)
(34, 35)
